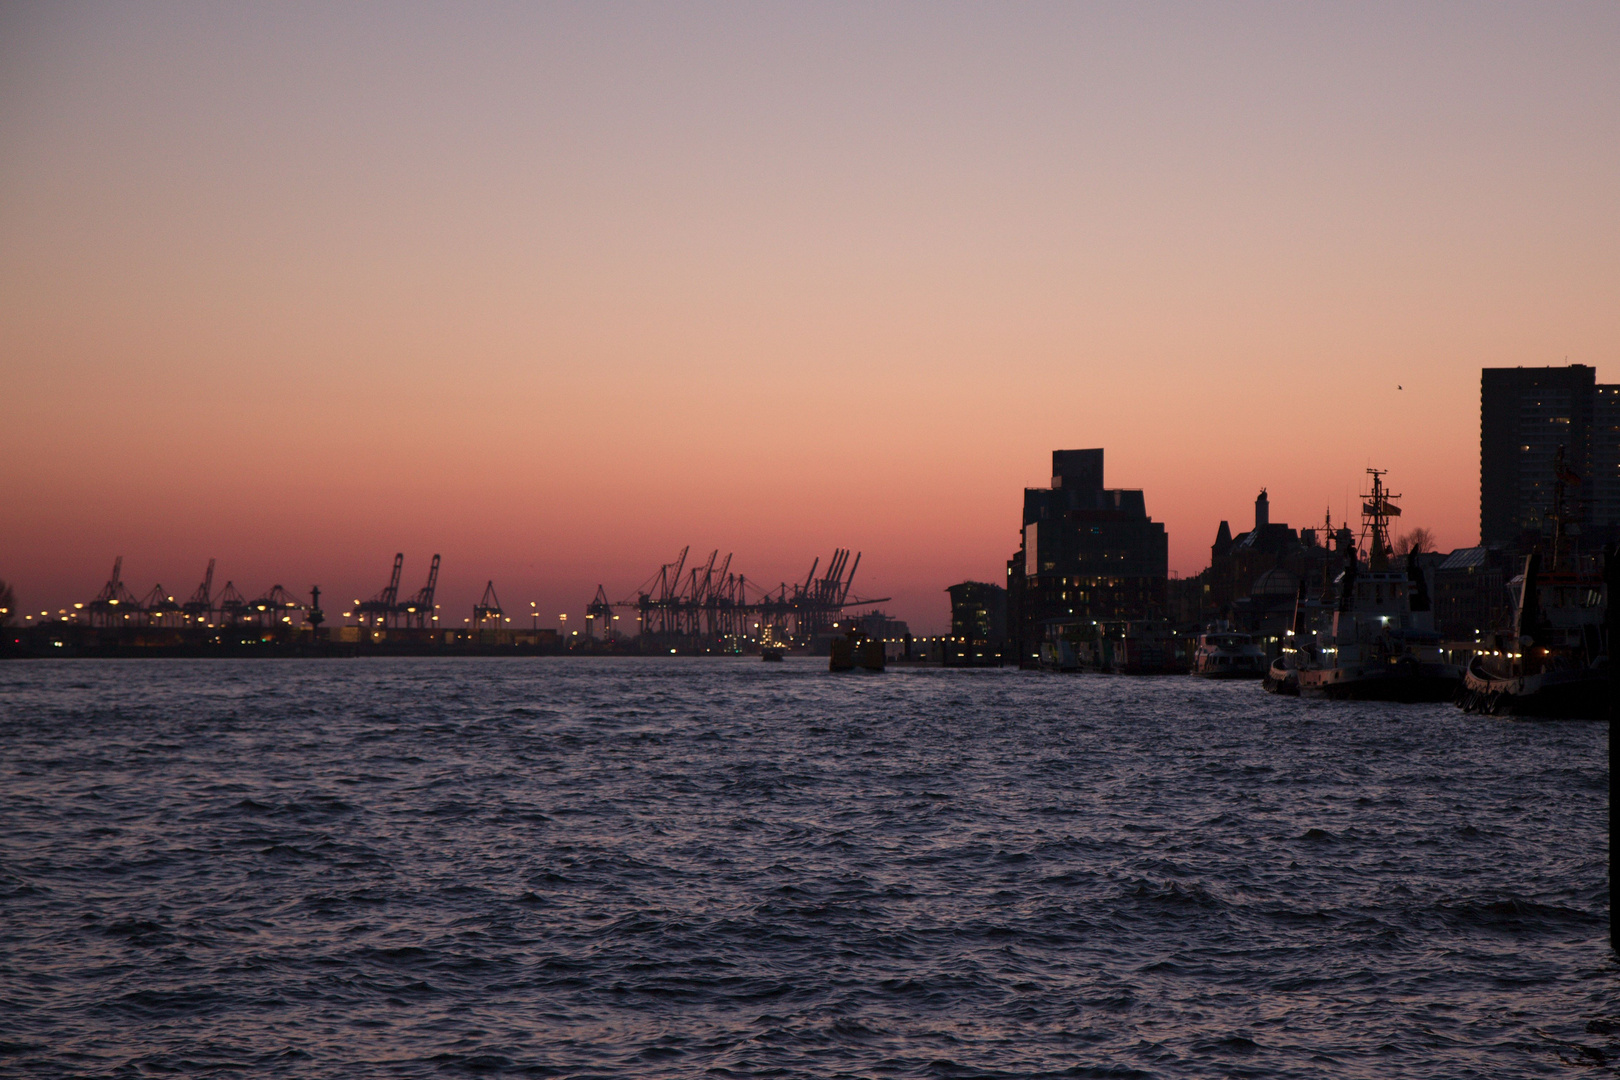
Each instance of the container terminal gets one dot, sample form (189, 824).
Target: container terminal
(686, 607)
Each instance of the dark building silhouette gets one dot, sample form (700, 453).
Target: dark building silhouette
(1255, 577)
(1088, 554)
(978, 625)
(878, 624)
(1235, 563)
(1525, 416)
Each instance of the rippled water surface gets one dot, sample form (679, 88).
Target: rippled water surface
(649, 868)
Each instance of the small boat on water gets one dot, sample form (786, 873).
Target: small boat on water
(1557, 661)
(1379, 643)
(1224, 653)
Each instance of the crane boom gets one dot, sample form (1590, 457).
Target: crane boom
(392, 592)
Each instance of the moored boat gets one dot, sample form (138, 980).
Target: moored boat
(1570, 692)
(1224, 653)
(1557, 661)
(1379, 643)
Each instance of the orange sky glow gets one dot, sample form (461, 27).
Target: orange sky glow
(557, 290)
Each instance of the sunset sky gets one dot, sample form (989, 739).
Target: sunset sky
(556, 290)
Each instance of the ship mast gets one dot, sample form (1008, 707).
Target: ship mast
(1562, 476)
(1376, 510)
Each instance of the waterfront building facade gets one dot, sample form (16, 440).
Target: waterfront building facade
(1471, 593)
(1089, 555)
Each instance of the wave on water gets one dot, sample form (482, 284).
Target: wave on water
(671, 868)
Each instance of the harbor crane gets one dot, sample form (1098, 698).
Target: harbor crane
(711, 601)
(276, 605)
(383, 605)
(600, 611)
(233, 605)
(159, 607)
(488, 609)
(201, 604)
(419, 608)
(114, 602)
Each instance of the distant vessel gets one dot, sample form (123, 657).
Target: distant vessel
(1556, 662)
(1379, 643)
(771, 650)
(1224, 653)
(856, 650)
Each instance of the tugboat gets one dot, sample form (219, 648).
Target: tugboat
(1556, 663)
(1380, 644)
(1224, 653)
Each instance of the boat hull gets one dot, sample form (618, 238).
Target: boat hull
(1281, 680)
(1572, 695)
(1410, 683)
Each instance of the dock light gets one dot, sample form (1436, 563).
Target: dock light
(78, 606)
(113, 601)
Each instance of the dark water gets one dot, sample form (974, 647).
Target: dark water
(716, 868)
